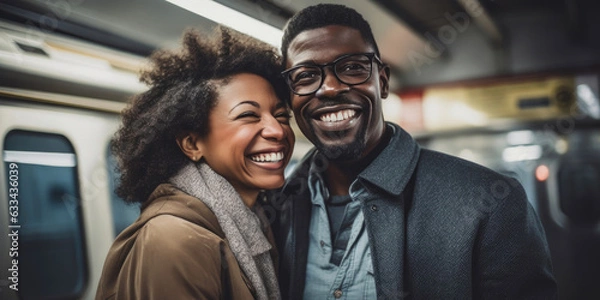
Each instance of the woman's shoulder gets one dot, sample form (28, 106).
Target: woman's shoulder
(172, 233)
(172, 256)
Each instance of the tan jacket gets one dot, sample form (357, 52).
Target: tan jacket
(174, 250)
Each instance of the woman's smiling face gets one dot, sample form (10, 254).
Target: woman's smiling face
(250, 141)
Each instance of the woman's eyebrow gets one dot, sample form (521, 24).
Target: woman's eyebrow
(250, 102)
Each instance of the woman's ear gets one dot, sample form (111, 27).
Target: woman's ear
(190, 145)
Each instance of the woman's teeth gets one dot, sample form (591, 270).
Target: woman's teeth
(338, 116)
(268, 157)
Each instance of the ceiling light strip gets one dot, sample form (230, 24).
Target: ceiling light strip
(231, 18)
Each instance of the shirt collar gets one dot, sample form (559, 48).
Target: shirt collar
(318, 191)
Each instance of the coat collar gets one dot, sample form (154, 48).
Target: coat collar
(393, 168)
(390, 171)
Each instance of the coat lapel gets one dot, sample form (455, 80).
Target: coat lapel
(294, 206)
(387, 245)
(301, 225)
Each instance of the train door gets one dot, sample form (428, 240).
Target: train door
(55, 202)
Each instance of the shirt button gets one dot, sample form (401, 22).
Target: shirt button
(374, 207)
(338, 293)
(322, 243)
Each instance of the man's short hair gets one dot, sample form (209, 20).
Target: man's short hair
(322, 15)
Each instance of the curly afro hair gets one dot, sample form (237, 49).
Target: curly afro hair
(322, 15)
(182, 93)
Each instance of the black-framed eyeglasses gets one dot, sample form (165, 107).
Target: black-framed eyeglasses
(350, 69)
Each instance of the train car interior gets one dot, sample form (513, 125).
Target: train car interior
(513, 85)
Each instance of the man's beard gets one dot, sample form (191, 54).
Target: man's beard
(347, 152)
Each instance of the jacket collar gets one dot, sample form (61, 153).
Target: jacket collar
(394, 166)
(298, 183)
(390, 171)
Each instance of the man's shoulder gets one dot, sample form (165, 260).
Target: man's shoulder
(442, 164)
(295, 187)
(299, 174)
(303, 165)
(463, 182)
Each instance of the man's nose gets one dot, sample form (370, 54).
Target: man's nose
(331, 86)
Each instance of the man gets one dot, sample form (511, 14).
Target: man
(368, 214)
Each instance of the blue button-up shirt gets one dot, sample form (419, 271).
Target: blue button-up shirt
(353, 278)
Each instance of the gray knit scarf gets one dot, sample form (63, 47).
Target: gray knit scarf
(242, 226)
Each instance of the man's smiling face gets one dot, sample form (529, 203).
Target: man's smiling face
(343, 121)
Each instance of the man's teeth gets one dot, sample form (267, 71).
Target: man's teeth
(268, 157)
(338, 116)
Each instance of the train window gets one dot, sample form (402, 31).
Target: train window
(579, 190)
(45, 212)
(123, 213)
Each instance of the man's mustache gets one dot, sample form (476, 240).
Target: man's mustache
(323, 102)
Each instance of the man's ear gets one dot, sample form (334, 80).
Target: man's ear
(384, 81)
(191, 145)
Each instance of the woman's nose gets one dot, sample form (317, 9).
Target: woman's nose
(273, 129)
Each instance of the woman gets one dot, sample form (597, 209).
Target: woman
(197, 149)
